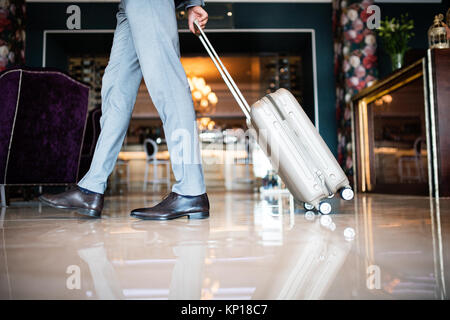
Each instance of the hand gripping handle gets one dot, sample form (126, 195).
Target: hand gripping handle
(223, 72)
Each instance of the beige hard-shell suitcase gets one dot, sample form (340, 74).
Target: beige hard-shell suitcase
(294, 146)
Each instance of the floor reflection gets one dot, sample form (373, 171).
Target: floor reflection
(252, 247)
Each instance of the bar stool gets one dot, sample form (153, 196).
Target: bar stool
(415, 161)
(122, 166)
(242, 144)
(151, 149)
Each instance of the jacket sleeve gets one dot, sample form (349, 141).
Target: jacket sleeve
(189, 3)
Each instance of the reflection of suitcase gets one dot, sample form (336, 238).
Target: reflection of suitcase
(290, 140)
(307, 269)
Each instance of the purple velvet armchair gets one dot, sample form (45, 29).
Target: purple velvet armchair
(42, 123)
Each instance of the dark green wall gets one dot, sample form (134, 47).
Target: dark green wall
(45, 16)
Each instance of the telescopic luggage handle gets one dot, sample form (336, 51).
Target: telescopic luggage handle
(223, 72)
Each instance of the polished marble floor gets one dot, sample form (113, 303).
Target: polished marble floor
(374, 247)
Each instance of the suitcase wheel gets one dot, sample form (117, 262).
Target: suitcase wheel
(310, 215)
(347, 193)
(324, 208)
(308, 206)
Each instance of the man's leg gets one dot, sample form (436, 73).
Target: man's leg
(119, 89)
(154, 30)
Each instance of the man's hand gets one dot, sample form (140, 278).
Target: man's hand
(198, 13)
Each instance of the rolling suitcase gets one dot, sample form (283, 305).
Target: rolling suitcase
(292, 143)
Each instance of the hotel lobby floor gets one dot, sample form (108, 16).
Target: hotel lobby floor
(250, 248)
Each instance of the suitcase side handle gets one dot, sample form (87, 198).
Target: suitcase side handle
(223, 72)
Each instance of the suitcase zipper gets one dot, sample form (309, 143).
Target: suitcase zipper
(316, 172)
(322, 177)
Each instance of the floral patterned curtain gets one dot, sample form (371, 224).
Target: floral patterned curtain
(12, 33)
(355, 66)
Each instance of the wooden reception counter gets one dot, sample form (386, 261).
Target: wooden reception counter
(401, 133)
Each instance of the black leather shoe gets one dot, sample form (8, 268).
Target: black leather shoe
(175, 206)
(74, 199)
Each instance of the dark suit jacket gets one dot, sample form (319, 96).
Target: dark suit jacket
(188, 3)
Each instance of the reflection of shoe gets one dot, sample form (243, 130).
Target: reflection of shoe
(175, 206)
(75, 199)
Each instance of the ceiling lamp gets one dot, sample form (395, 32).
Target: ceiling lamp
(204, 98)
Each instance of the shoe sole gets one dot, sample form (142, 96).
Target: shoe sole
(192, 215)
(85, 212)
